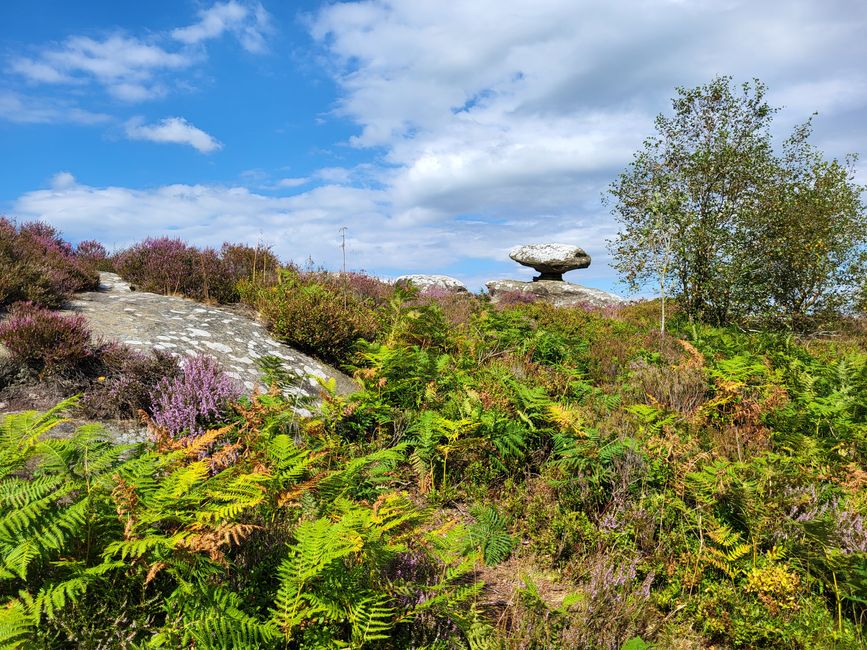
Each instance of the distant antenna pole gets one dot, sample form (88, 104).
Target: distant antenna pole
(343, 275)
(343, 246)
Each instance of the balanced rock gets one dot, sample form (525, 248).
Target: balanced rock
(551, 260)
(435, 282)
(554, 292)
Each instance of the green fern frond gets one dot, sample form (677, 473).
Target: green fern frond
(488, 535)
(371, 619)
(17, 624)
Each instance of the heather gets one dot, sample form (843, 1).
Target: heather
(322, 315)
(171, 266)
(199, 396)
(46, 341)
(37, 265)
(126, 382)
(517, 476)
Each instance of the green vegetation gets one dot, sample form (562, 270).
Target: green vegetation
(527, 477)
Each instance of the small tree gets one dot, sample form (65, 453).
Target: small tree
(803, 248)
(706, 162)
(648, 255)
(742, 231)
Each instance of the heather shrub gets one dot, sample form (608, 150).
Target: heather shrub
(193, 400)
(44, 340)
(508, 299)
(127, 381)
(36, 265)
(257, 264)
(94, 255)
(616, 606)
(160, 265)
(367, 288)
(314, 318)
(170, 266)
(213, 283)
(458, 308)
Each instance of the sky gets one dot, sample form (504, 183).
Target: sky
(438, 134)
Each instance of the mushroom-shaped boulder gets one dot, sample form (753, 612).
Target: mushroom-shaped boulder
(551, 260)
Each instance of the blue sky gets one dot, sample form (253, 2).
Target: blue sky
(440, 134)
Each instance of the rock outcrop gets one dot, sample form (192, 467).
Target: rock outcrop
(551, 260)
(555, 292)
(437, 282)
(185, 327)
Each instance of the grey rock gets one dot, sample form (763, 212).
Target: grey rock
(227, 335)
(554, 292)
(551, 260)
(427, 282)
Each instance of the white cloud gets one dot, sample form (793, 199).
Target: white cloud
(21, 109)
(62, 180)
(827, 96)
(299, 226)
(292, 182)
(40, 72)
(127, 67)
(516, 114)
(338, 175)
(173, 130)
(249, 23)
(134, 69)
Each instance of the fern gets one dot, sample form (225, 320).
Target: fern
(652, 420)
(52, 491)
(17, 624)
(488, 535)
(725, 549)
(214, 619)
(314, 579)
(19, 432)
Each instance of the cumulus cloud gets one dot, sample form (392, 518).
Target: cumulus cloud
(299, 226)
(174, 130)
(519, 115)
(126, 66)
(291, 182)
(249, 23)
(133, 69)
(22, 109)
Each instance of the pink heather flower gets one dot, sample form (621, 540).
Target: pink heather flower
(198, 398)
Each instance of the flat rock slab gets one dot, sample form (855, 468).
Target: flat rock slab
(555, 292)
(185, 327)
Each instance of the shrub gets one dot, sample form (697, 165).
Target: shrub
(45, 340)
(37, 265)
(170, 266)
(196, 398)
(160, 265)
(366, 288)
(127, 381)
(507, 299)
(314, 318)
(457, 308)
(242, 262)
(679, 388)
(93, 254)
